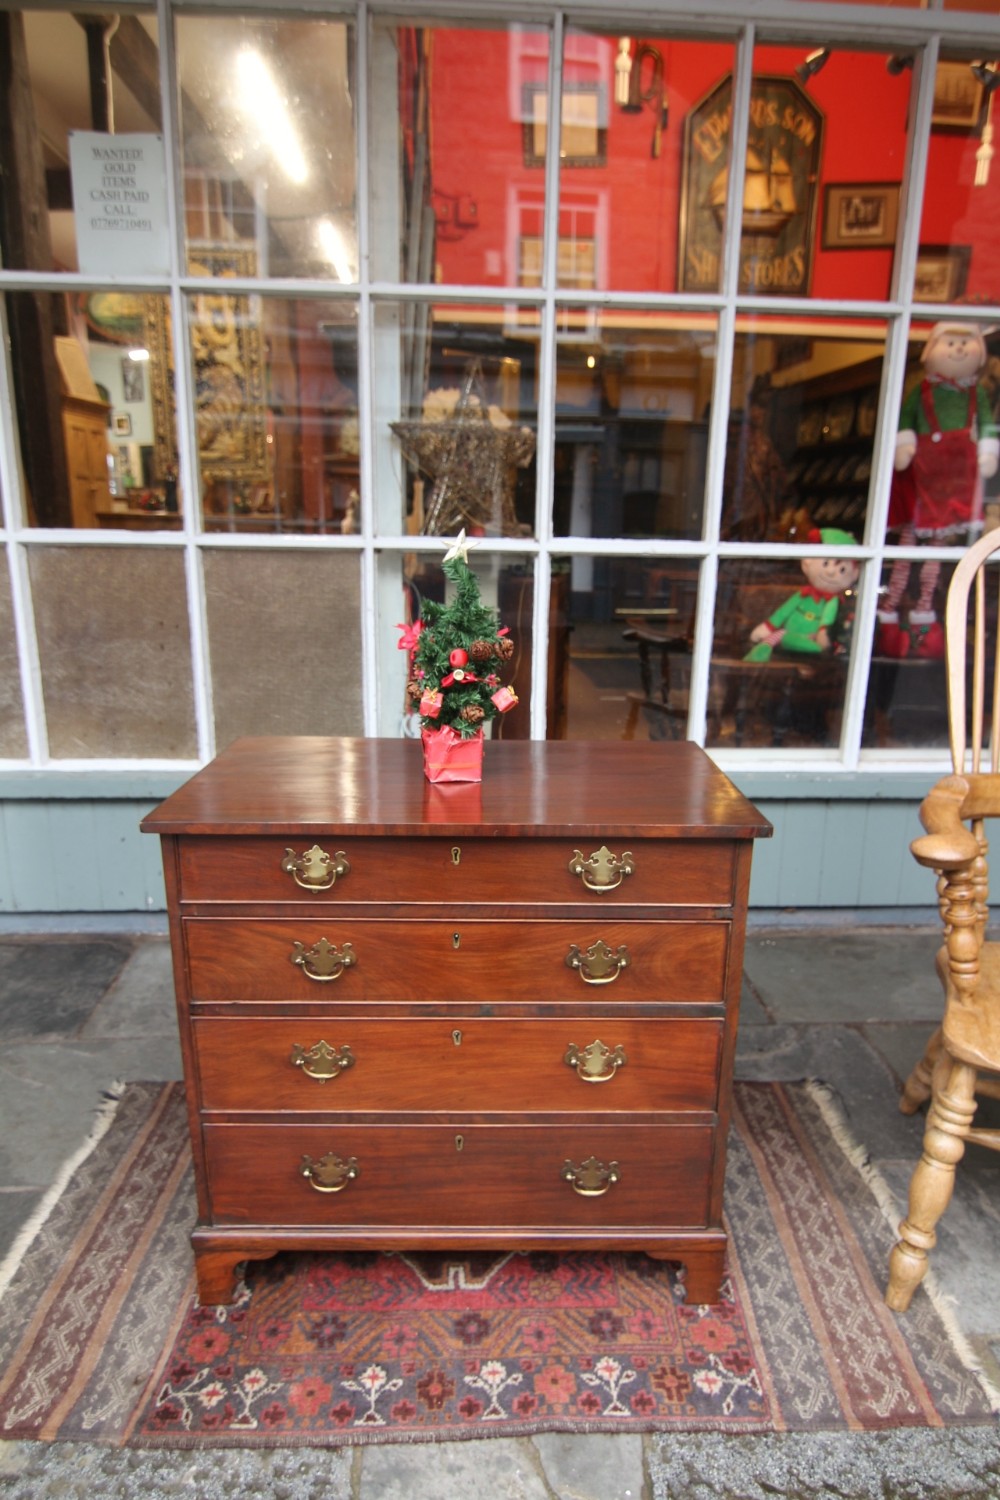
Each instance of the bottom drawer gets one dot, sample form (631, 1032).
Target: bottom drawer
(476, 1176)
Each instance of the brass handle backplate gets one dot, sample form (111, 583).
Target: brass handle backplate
(600, 964)
(601, 871)
(591, 1179)
(321, 1061)
(315, 870)
(331, 1173)
(323, 961)
(596, 1063)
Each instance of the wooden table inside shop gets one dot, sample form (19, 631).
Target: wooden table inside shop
(480, 1016)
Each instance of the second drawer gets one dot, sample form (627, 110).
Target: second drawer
(355, 1063)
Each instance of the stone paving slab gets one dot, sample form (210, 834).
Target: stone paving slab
(817, 977)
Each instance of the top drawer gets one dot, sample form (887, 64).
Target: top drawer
(661, 872)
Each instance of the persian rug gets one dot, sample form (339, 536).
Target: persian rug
(102, 1340)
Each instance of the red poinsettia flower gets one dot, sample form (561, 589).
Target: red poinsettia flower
(411, 635)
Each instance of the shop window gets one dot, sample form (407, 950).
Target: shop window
(284, 642)
(801, 429)
(958, 258)
(115, 651)
(782, 642)
(268, 144)
(456, 419)
(633, 393)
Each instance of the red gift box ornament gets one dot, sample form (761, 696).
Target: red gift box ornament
(504, 698)
(430, 703)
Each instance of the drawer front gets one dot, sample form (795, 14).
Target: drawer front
(350, 960)
(473, 1176)
(667, 872)
(351, 1063)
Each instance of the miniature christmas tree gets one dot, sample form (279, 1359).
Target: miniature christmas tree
(457, 652)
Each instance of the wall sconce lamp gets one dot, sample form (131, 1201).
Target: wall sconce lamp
(812, 64)
(898, 63)
(988, 75)
(623, 70)
(639, 81)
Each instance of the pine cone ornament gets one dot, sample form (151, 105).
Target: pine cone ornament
(481, 650)
(504, 648)
(472, 713)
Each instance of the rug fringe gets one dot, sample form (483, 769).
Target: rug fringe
(829, 1104)
(104, 1115)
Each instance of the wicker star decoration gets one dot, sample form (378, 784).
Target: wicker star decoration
(470, 459)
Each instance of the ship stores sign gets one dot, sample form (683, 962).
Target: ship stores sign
(779, 194)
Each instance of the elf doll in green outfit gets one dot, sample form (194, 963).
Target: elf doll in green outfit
(946, 446)
(805, 620)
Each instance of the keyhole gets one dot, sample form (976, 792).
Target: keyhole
(456, 939)
(456, 855)
(456, 1037)
(459, 1142)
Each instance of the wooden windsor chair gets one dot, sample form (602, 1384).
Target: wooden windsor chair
(962, 1059)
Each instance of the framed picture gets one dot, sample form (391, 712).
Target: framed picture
(133, 381)
(860, 215)
(123, 424)
(942, 272)
(958, 97)
(583, 137)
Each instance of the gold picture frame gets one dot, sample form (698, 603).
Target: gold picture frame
(583, 137)
(942, 273)
(860, 215)
(958, 97)
(228, 372)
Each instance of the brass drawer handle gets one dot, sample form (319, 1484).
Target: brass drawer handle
(315, 870)
(323, 961)
(596, 1063)
(591, 1179)
(321, 1061)
(331, 1173)
(600, 964)
(601, 871)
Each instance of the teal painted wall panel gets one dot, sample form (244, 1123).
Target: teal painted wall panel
(87, 855)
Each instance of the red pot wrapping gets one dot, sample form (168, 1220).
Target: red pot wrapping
(449, 757)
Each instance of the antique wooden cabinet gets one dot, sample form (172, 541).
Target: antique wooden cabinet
(496, 1015)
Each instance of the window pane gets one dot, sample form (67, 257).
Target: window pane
(825, 158)
(267, 125)
(13, 740)
(780, 654)
(621, 636)
(93, 391)
(803, 410)
(633, 392)
(67, 73)
(276, 396)
(463, 143)
(115, 651)
(284, 641)
(643, 121)
(907, 702)
(959, 255)
(505, 584)
(456, 404)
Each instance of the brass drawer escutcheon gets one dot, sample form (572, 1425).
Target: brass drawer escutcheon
(331, 1173)
(315, 870)
(591, 1179)
(596, 1063)
(601, 871)
(600, 964)
(321, 1061)
(323, 961)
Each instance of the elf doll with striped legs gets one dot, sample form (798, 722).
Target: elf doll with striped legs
(946, 446)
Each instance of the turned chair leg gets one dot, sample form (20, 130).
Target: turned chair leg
(949, 1121)
(917, 1088)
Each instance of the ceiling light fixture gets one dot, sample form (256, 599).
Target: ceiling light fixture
(623, 70)
(262, 102)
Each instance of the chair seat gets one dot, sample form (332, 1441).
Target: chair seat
(972, 1029)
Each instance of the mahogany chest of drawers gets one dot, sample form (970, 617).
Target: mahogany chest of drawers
(495, 1015)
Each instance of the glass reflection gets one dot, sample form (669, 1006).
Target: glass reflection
(95, 410)
(267, 134)
(801, 432)
(780, 650)
(958, 259)
(633, 392)
(907, 696)
(621, 637)
(276, 412)
(456, 419)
